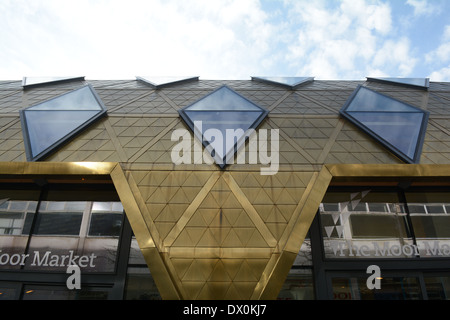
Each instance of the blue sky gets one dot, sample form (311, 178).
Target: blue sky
(225, 39)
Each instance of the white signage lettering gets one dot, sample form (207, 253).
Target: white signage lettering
(47, 259)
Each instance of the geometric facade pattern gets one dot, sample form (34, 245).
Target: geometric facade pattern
(396, 125)
(49, 124)
(208, 233)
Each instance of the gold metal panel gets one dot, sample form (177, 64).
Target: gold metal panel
(236, 234)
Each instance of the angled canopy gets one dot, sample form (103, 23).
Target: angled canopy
(290, 82)
(34, 81)
(422, 83)
(221, 120)
(160, 82)
(398, 126)
(47, 125)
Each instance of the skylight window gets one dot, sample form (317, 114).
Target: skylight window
(34, 81)
(423, 83)
(227, 113)
(48, 124)
(160, 82)
(290, 82)
(398, 126)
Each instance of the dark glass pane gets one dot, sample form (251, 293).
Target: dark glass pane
(140, 285)
(79, 100)
(106, 219)
(47, 127)
(231, 125)
(438, 288)
(299, 285)
(223, 99)
(392, 288)
(401, 130)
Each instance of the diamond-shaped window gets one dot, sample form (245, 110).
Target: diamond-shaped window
(290, 82)
(423, 83)
(398, 126)
(50, 123)
(160, 82)
(35, 81)
(221, 121)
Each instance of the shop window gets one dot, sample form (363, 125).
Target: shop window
(431, 222)
(48, 124)
(364, 223)
(392, 288)
(396, 125)
(228, 117)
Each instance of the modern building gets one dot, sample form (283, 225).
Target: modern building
(185, 188)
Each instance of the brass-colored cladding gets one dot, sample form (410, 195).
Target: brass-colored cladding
(212, 234)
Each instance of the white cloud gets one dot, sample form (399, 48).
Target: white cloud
(441, 75)
(337, 41)
(103, 38)
(423, 7)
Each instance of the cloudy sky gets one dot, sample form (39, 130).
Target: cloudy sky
(225, 39)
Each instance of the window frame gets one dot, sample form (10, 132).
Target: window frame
(50, 149)
(221, 162)
(401, 155)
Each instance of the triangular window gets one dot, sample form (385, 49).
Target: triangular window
(50, 123)
(221, 121)
(290, 82)
(398, 126)
(160, 82)
(423, 83)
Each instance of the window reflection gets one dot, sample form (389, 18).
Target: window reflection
(365, 224)
(392, 288)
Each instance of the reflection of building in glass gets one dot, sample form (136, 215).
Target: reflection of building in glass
(87, 177)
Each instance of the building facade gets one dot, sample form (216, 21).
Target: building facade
(267, 188)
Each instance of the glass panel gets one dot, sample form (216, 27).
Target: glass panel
(289, 81)
(401, 130)
(232, 126)
(223, 99)
(45, 128)
(160, 81)
(392, 288)
(7, 293)
(421, 82)
(438, 288)
(367, 100)
(365, 224)
(140, 285)
(299, 285)
(59, 218)
(106, 219)
(29, 81)
(431, 222)
(32, 292)
(79, 100)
